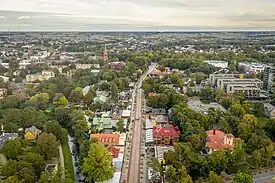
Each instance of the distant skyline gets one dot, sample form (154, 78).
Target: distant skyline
(131, 15)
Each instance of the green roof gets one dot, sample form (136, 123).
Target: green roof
(103, 123)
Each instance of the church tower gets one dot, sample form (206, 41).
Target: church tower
(105, 55)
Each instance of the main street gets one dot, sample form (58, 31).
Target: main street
(133, 172)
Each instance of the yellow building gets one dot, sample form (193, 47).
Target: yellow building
(32, 133)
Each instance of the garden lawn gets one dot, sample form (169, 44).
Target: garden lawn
(68, 162)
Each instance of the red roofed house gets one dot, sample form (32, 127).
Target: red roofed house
(114, 151)
(106, 139)
(152, 94)
(117, 65)
(219, 140)
(166, 135)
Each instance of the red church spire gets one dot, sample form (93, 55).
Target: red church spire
(105, 55)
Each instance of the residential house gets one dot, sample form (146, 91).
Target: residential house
(161, 120)
(85, 90)
(166, 135)
(156, 111)
(152, 94)
(3, 92)
(44, 75)
(106, 139)
(32, 133)
(102, 123)
(117, 65)
(5, 79)
(219, 140)
(269, 110)
(95, 71)
(100, 99)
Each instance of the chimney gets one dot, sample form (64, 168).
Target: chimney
(214, 131)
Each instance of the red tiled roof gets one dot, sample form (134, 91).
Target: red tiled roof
(166, 132)
(114, 151)
(152, 94)
(216, 139)
(107, 139)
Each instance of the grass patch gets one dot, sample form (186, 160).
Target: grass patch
(68, 162)
(262, 120)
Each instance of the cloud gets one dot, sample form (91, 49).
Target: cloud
(149, 13)
(23, 17)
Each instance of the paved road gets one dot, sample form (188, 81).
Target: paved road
(134, 165)
(134, 169)
(264, 178)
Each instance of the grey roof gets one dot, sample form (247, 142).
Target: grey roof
(7, 136)
(32, 129)
(158, 111)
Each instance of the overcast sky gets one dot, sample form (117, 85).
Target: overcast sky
(137, 14)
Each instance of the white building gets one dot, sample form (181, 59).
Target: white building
(217, 63)
(252, 67)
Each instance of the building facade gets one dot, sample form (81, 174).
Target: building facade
(268, 79)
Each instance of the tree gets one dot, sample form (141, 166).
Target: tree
(9, 169)
(62, 116)
(48, 145)
(40, 100)
(270, 129)
(214, 178)
(98, 165)
(88, 98)
(218, 161)
(60, 99)
(76, 95)
(237, 110)
(13, 65)
(12, 148)
(120, 125)
(247, 126)
(12, 179)
(13, 101)
(114, 89)
(242, 178)
(55, 128)
(207, 93)
(36, 161)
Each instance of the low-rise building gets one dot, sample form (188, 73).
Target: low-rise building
(110, 139)
(252, 67)
(44, 75)
(102, 123)
(196, 105)
(117, 65)
(32, 133)
(166, 135)
(217, 139)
